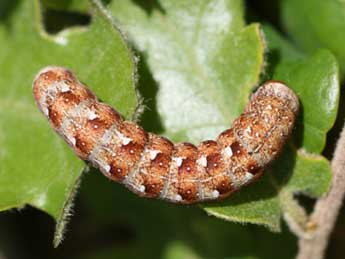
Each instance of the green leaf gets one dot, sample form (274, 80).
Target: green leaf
(311, 175)
(315, 80)
(37, 167)
(316, 23)
(203, 57)
(279, 49)
(257, 204)
(67, 5)
(206, 66)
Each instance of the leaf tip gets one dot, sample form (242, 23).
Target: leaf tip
(65, 216)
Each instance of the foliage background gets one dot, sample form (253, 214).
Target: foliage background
(193, 58)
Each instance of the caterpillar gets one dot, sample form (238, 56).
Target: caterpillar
(151, 165)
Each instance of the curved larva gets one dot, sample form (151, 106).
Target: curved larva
(151, 165)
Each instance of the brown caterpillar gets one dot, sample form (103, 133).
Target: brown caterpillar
(151, 165)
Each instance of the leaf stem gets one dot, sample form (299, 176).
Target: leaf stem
(323, 218)
(294, 214)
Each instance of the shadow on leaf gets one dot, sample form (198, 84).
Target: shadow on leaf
(149, 5)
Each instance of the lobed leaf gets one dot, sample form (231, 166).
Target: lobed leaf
(204, 59)
(315, 80)
(37, 168)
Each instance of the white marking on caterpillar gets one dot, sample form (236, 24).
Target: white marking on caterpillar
(178, 197)
(202, 161)
(153, 154)
(178, 161)
(91, 115)
(248, 176)
(72, 140)
(106, 168)
(142, 188)
(215, 194)
(125, 141)
(64, 88)
(228, 151)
